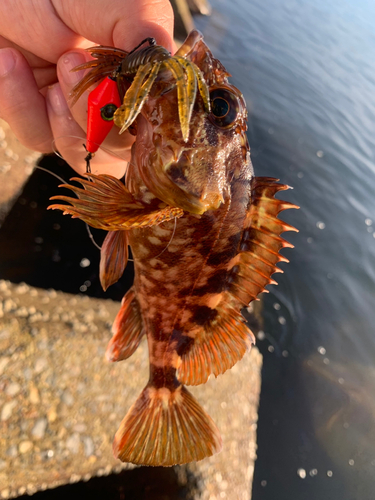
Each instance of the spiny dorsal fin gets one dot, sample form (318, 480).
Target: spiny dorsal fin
(113, 257)
(106, 203)
(261, 243)
(221, 343)
(165, 428)
(127, 329)
(217, 346)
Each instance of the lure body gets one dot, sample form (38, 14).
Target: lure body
(205, 238)
(98, 125)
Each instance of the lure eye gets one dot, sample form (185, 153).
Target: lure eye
(224, 107)
(107, 112)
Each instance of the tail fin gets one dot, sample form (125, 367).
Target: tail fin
(165, 428)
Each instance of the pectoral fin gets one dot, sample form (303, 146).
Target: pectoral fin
(106, 203)
(127, 329)
(113, 257)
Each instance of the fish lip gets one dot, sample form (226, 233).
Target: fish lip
(196, 201)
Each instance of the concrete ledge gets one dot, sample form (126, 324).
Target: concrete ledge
(61, 402)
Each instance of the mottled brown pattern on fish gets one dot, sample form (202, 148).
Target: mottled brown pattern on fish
(194, 273)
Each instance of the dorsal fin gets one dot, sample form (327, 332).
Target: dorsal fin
(257, 260)
(221, 343)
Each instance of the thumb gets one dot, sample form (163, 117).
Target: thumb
(121, 23)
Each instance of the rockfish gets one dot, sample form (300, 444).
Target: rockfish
(205, 239)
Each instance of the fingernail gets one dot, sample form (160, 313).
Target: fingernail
(7, 61)
(57, 100)
(69, 62)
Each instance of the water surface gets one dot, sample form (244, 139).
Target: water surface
(307, 71)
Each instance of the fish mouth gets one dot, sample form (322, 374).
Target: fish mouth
(188, 177)
(184, 184)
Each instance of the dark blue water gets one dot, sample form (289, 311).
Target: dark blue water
(307, 70)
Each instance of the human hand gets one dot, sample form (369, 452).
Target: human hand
(41, 41)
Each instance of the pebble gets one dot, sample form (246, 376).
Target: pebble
(34, 395)
(12, 389)
(40, 365)
(7, 410)
(9, 305)
(88, 445)
(67, 398)
(73, 442)
(39, 428)
(52, 415)
(2, 464)
(3, 362)
(80, 428)
(12, 451)
(25, 446)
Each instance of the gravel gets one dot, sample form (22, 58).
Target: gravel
(61, 402)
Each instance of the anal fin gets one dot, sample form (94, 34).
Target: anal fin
(218, 345)
(127, 329)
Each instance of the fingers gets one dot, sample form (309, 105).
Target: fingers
(21, 103)
(122, 23)
(51, 27)
(69, 138)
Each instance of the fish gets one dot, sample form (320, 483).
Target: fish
(204, 233)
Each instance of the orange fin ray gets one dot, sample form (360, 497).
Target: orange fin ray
(216, 347)
(113, 257)
(105, 203)
(165, 428)
(261, 241)
(127, 329)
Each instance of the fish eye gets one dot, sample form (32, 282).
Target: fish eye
(107, 112)
(224, 107)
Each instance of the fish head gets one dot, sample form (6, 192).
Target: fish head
(193, 173)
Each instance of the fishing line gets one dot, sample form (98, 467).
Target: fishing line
(64, 182)
(82, 141)
(52, 173)
(87, 226)
(170, 241)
